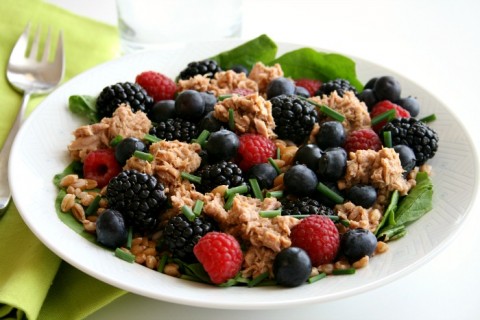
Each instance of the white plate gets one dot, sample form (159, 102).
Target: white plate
(39, 152)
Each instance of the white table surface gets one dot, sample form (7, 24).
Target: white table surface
(434, 43)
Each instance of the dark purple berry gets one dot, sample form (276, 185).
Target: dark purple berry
(358, 243)
(300, 180)
(387, 88)
(331, 135)
(222, 145)
(362, 195)
(190, 105)
(292, 267)
(279, 86)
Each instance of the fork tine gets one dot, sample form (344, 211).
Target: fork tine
(59, 53)
(34, 49)
(20, 48)
(46, 47)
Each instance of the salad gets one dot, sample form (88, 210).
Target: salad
(249, 169)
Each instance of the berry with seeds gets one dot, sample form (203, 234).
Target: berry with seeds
(190, 105)
(279, 86)
(362, 195)
(310, 85)
(417, 135)
(358, 243)
(110, 229)
(300, 180)
(175, 129)
(181, 235)
(130, 93)
(157, 85)
(331, 134)
(362, 139)
(222, 145)
(220, 173)
(101, 166)
(407, 157)
(384, 106)
(410, 104)
(319, 237)
(332, 163)
(205, 68)
(294, 118)
(265, 174)
(162, 111)
(140, 198)
(308, 154)
(127, 147)
(387, 88)
(254, 149)
(339, 85)
(220, 255)
(292, 267)
(304, 206)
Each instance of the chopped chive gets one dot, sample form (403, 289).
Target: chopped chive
(162, 263)
(202, 138)
(257, 192)
(239, 189)
(270, 213)
(229, 202)
(224, 96)
(143, 155)
(279, 155)
(335, 115)
(387, 115)
(274, 164)
(228, 283)
(231, 119)
(387, 139)
(151, 138)
(429, 118)
(191, 177)
(329, 193)
(345, 223)
(188, 212)
(127, 256)
(343, 271)
(116, 140)
(198, 207)
(129, 237)
(92, 208)
(319, 276)
(258, 279)
(274, 194)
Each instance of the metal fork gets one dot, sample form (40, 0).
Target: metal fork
(29, 75)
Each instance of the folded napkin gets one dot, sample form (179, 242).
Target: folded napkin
(34, 282)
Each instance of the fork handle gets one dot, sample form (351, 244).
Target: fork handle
(5, 194)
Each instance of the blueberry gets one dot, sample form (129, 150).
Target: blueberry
(238, 68)
(331, 134)
(125, 149)
(210, 101)
(333, 163)
(362, 195)
(300, 180)
(210, 123)
(358, 243)
(222, 145)
(368, 97)
(302, 92)
(308, 154)
(190, 105)
(370, 83)
(387, 88)
(110, 229)
(407, 157)
(265, 173)
(410, 104)
(162, 110)
(292, 267)
(279, 86)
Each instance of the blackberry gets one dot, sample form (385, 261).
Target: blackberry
(205, 68)
(220, 173)
(422, 139)
(127, 92)
(304, 206)
(175, 129)
(181, 235)
(339, 85)
(138, 196)
(294, 118)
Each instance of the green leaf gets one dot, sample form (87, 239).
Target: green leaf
(311, 64)
(260, 49)
(75, 167)
(390, 211)
(84, 105)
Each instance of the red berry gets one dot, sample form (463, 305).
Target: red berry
(242, 91)
(254, 149)
(157, 85)
(319, 237)
(220, 254)
(310, 84)
(383, 106)
(101, 166)
(362, 139)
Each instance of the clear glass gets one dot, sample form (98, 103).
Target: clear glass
(148, 24)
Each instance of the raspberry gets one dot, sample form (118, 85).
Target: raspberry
(319, 237)
(220, 254)
(383, 106)
(310, 84)
(362, 139)
(101, 166)
(254, 149)
(157, 85)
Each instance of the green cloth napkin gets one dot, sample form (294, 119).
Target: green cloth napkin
(34, 282)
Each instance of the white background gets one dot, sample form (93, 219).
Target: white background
(434, 43)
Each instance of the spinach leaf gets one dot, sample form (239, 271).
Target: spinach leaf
(84, 105)
(312, 64)
(261, 49)
(75, 167)
(389, 212)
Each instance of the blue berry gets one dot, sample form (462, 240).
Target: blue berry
(407, 157)
(331, 134)
(190, 105)
(279, 86)
(301, 91)
(238, 68)
(210, 101)
(300, 180)
(222, 145)
(358, 243)
(368, 97)
(292, 267)
(333, 163)
(110, 229)
(387, 88)
(127, 147)
(308, 154)
(162, 111)
(410, 104)
(362, 195)
(265, 173)
(210, 123)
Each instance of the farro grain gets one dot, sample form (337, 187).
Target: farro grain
(140, 258)
(171, 269)
(363, 262)
(342, 264)
(381, 247)
(67, 202)
(91, 184)
(68, 180)
(80, 183)
(327, 268)
(151, 262)
(70, 190)
(89, 226)
(78, 212)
